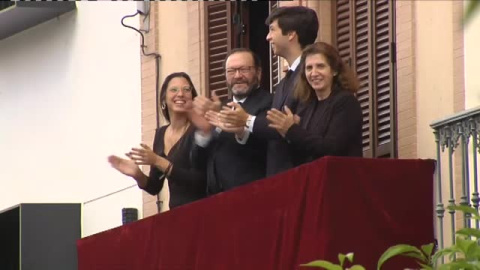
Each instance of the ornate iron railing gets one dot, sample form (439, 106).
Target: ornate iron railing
(458, 132)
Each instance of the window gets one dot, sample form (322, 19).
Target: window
(364, 36)
(229, 25)
(218, 43)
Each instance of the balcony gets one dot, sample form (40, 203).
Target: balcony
(457, 147)
(316, 211)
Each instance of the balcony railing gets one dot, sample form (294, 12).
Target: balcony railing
(457, 141)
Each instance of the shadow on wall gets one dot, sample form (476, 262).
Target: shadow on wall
(57, 34)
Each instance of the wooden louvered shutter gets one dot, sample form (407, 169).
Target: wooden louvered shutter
(218, 43)
(383, 78)
(362, 65)
(364, 38)
(343, 30)
(274, 60)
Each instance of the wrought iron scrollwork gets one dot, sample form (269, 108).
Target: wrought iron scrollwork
(449, 137)
(466, 127)
(476, 131)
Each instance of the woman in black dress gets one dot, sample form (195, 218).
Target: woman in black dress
(329, 117)
(171, 148)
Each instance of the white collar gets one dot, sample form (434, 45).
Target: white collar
(295, 64)
(241, 100)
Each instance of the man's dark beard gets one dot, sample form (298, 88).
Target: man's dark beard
(250, 89)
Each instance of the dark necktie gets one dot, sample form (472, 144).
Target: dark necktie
(286, 85)
(288, 74)
(239, 103)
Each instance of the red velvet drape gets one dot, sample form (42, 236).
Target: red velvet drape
(330, 206)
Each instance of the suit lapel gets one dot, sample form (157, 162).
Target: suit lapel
(250, 101)
(278, 97)
(253, 102)
(287, 88)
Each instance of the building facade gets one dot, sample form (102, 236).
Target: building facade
(415, 59)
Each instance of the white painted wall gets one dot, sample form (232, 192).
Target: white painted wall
(472, 62)
(106, 212)
(69, 97)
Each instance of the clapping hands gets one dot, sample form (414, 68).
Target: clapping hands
(282, 121)
(208, 114)
(143, 156)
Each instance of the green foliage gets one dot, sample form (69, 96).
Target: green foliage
(330, 266)
(422, 256)
(323, 264)
(464, 254)
(473, 6)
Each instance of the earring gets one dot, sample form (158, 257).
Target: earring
(163, 106)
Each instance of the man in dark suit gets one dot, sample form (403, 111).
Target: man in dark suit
(230, 158)
(290, 30)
